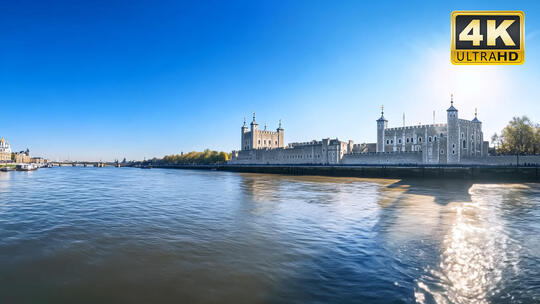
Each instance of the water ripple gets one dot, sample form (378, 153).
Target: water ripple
(137, 236)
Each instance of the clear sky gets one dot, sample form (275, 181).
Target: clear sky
(91, 80)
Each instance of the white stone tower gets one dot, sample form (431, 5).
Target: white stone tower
(281, 134)
(243, 141)
(254, 129)
(453, 140)
(477, 136)
(381, 126)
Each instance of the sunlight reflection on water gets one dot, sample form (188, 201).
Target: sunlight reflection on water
(475, 253)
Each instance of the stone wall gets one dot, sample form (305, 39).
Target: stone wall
(327, 151)
(502, 160)
(385, 158)
(471, 139)
(311, 154)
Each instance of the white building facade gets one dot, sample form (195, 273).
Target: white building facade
(5, 150)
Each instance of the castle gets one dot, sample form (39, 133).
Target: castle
(268, 147)
(261, 139)
(458, 141)
(446, 143)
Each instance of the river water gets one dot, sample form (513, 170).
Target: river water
(126, 235)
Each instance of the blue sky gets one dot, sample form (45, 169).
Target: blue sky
(93, 80)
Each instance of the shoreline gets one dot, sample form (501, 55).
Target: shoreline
(482, 173)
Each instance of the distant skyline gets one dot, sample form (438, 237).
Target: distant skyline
(104, 80)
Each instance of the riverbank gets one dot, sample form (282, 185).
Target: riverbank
(484, 173)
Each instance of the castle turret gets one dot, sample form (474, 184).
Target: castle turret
(244, 142)
(453, 139)
(281, 134)
(475, 120)
(254, 129)
(381, 126)
(477, 148)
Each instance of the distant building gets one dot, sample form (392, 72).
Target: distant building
(448, 142)
(268, 147)
(5, 150)
(22, 157)
(324, 152)
(254, 138)
(38, 160)
(458, 141)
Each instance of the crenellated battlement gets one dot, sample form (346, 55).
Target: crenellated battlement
(439, 125)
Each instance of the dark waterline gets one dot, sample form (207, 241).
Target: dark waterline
(125, 235)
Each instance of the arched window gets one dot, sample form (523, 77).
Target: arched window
(407, 139)
(399, 141)
(442, 151)
(464, 144)
(434, 138)
(429, 139)
(419, 139)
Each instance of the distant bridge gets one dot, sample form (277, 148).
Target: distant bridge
(86, 164)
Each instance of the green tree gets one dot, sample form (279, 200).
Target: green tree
(196, 158)
(520, 136)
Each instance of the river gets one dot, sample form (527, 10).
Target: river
(127, 235)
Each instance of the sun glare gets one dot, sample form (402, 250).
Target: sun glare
(472, 86)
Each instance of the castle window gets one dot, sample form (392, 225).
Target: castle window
(387, 141)
(419, 139)
(434, 138)
(462, 135)
(391, 141)
(453, 151)
(442, 151)
(453, 145)
(464, 144)
(407, 139)
(429, 139)
(276, 142)
(399, 141)
(259, 141)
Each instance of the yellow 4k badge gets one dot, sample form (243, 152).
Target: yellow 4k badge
(488, 37)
